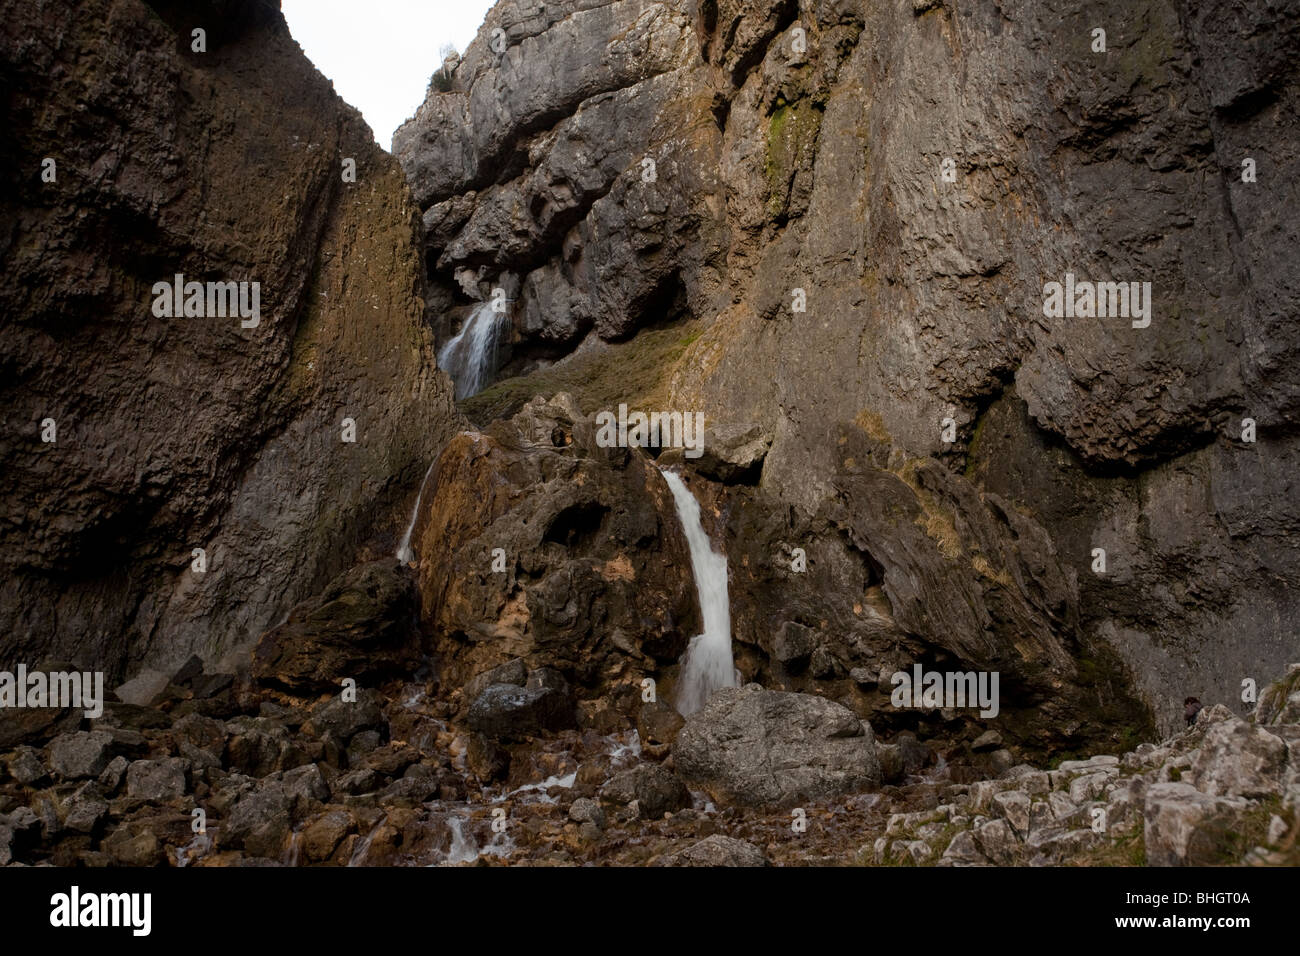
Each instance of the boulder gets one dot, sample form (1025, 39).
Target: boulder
(322, 836)
(657, 726)
(157, 781)
(259, 822)
(716, 850)
(1237, 758)
(586, 810)
(1185, 827)
(655, 790)
(510, 712)
(511, 672)
(83, 754)
(733, 453)
(343, 719)
(757, 747)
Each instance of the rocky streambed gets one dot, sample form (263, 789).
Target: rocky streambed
(219, 772)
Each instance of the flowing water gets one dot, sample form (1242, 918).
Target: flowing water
(707, 664)
(470, 357)
(404, 553)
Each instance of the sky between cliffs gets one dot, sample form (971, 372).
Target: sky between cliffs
(381, 53)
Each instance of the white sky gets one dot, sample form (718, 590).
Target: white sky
(381, 53)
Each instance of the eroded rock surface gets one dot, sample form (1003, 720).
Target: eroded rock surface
(175, 434)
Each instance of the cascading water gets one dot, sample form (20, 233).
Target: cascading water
(707, 664)
(470, 356)
(404, 553)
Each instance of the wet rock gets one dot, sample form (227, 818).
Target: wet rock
(419, 784)
(574, 522)
(305, 787)
(794, 644)
(362, 745)
(891, 763)
(511, 672)
(915, 755)
(391, 759)
(717, 850)
(585, 810)
(487, 761)
(83, 754)
(758, 747)
(343, 719)
(259, 476)
(506, 711)
(157, 781)
(360, 781)
(989, 740)
(322, 836)
(259, 747)
(655, 790)
(362, 626)
(657, 726)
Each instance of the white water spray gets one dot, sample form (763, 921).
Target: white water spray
(707, 664)
(470, 357)
(404, 553)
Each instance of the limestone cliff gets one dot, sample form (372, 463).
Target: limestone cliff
(856, 207)
(175, 434)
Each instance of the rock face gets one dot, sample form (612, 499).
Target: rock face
(363, 626)
(757, 747)
(868, 252)
(536, 543)
(175, 434)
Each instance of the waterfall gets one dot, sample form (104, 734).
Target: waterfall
(707, 664)
(470, 356)
(404, 553)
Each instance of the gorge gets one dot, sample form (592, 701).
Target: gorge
(838, 239)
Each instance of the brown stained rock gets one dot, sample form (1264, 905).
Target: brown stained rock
(183, 433)
(592, 548)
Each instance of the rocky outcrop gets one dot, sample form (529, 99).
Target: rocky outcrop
(1221, 793)
(863, 204)
(534, 542)
(758, 747)
(136, 159)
